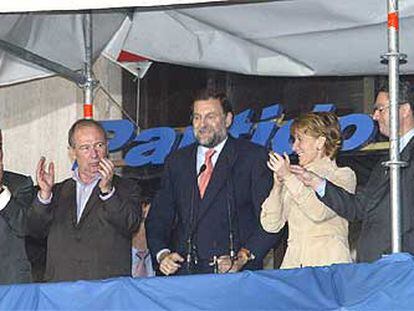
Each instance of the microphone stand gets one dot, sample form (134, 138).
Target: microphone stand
(191, 249)
(230, 203)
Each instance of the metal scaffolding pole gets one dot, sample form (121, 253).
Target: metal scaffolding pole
(89, 84)
(43, 62)
(394, 163)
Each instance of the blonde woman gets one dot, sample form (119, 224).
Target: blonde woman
(317, 235)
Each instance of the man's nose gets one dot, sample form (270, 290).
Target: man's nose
(94, 152)
(375, 115)
(203, 121)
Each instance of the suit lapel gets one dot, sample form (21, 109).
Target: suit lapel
(93, 199)
(407, 151)
(68, 198)
(405, 156)
(7, 182)
(221, 173)
(188, 180)
(381, 179)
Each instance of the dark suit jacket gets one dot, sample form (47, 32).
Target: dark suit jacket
(372, 207)
(239, 174)
(97, 247)
(14, 264)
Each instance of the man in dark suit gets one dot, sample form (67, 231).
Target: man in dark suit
(205, 217)
(16, 195)
(372, 204)
(89, 219)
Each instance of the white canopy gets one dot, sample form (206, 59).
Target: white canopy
(55, 37)
(280, 38)
(54, 5)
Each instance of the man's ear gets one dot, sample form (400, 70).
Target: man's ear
(406, 109)
(229, 119)
(71, 153)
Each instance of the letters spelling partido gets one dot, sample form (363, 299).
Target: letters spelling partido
(151, 146)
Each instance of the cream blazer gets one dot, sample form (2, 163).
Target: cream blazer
(317, 235)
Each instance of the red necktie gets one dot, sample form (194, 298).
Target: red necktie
(206, 175)
(141, 268)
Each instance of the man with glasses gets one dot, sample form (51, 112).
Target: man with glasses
(372, 204)
(88, 219)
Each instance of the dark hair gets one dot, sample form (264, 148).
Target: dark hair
(320, 124)
(212, 93)
(84, 123)
(405, 94)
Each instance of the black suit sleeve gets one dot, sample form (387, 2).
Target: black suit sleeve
(41, 216)
(160, 219)
(16, 210)
(260, 242)
(347, 205)
(123, 208)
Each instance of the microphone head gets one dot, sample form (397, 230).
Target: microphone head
(294, 159)
(202, 169)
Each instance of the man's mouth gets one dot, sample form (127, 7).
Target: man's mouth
(204, 133)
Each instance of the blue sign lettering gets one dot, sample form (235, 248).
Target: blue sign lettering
(152, 146)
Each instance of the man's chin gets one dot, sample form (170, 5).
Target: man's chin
(206, 142)
(94, 171)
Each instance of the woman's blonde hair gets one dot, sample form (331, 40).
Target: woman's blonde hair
(317, 124)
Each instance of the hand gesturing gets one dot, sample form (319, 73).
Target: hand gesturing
(279, 165)
(45, 178)
(106, 169)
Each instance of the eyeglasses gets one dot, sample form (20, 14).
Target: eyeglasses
(86, 148)
(380, 109)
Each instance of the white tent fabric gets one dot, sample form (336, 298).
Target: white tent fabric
(279, 38)
(53, 5)
(282, 38)
(57, 37)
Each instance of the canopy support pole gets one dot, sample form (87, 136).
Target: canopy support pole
(90, 83)
(394, 164)
(45, 63)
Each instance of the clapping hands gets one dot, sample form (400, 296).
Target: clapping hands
(280, 165)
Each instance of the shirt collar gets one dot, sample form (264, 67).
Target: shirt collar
(218, 147)
(75, 177)
(406, 138)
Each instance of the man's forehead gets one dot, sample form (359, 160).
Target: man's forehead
(88, 134)
(382, 98)
(207, 105)
(88, 129)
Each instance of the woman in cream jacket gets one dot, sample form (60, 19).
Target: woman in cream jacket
(317, 235)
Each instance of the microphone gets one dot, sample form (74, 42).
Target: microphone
(202, 169)
(294, 159)
(190, 247)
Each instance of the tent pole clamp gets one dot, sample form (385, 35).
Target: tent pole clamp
(394, 163)
(401, 56)
(89, 83)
